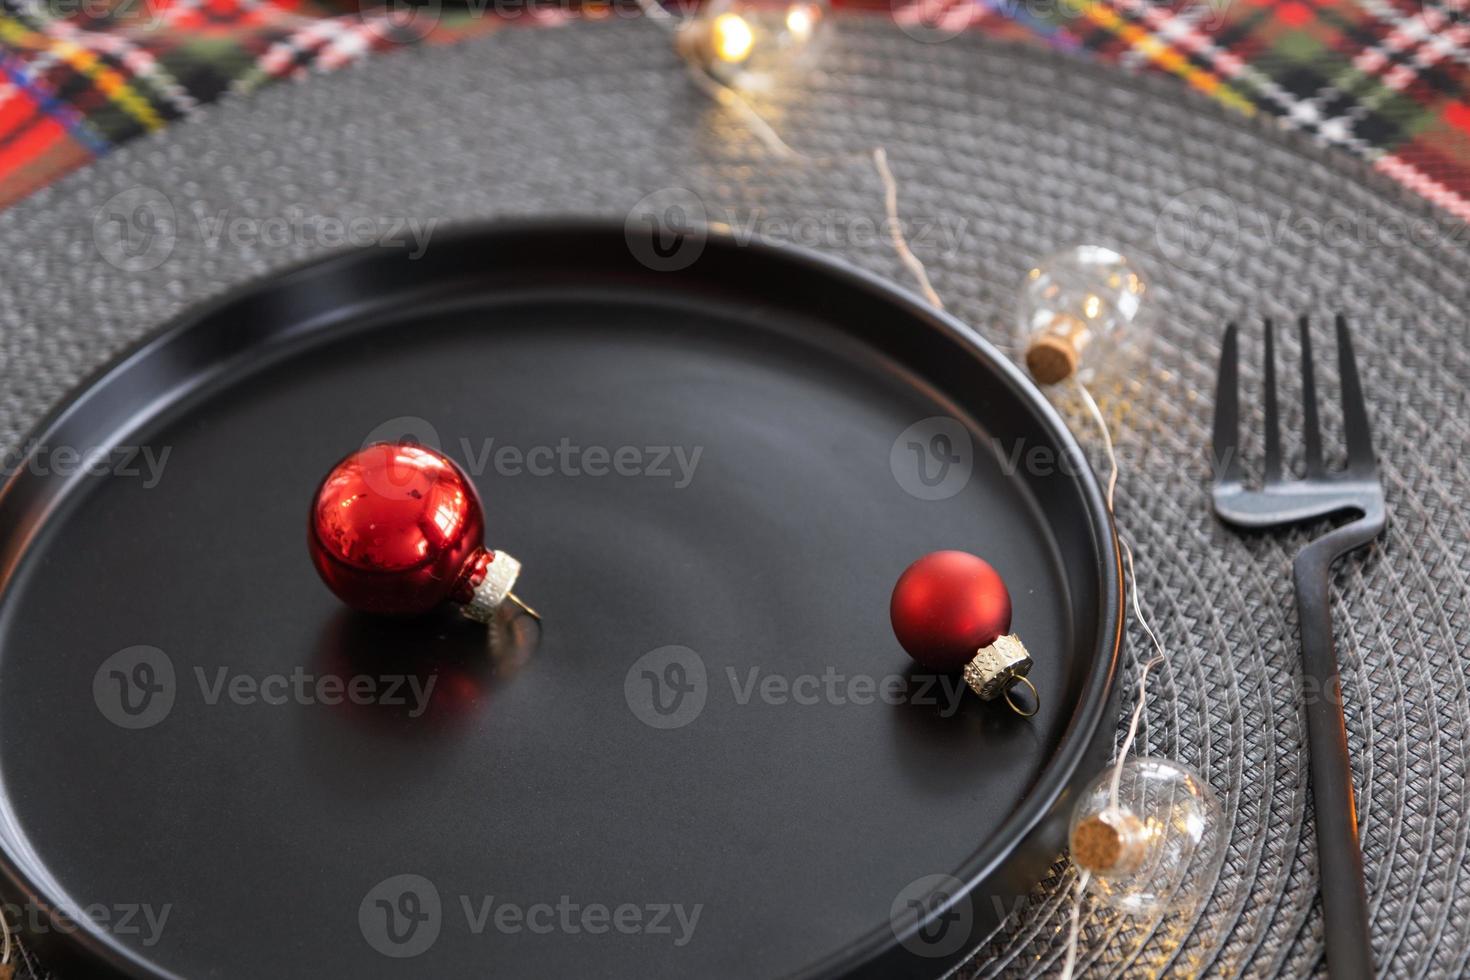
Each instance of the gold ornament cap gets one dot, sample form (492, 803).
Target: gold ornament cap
(996, 668)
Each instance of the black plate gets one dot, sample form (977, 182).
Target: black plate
(273, 835)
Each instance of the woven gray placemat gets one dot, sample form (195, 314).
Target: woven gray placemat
(1003, 155)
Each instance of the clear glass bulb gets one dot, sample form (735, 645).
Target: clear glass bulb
(753, 44)
(1155, 846)
(1076, 311)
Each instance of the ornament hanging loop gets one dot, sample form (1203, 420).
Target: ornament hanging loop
(1035, 696)
(524, 608)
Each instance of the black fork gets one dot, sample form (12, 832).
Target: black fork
(1281, 501)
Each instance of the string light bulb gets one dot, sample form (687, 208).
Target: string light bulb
(1077, 312)
(751, 44)
(1151, 832)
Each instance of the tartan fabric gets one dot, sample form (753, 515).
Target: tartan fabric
(79, 77)
(1388, 80)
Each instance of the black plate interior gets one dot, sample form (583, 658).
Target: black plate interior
(263, 828)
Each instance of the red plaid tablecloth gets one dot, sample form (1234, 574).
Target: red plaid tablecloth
(1388, 80)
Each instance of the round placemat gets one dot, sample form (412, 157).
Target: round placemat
(1003, 155)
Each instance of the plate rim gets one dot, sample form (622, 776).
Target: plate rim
(1075, 745)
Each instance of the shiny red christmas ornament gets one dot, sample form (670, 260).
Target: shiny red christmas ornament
(397, 529)
(951, 610)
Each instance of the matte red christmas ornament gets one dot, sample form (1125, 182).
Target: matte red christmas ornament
(951, 611)
(397, 529)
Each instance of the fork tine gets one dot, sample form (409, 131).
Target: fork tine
(1312, 437)
(1227, 412)
(1272, 472)
(1354, 411)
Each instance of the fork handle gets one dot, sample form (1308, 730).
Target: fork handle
(1339, 854)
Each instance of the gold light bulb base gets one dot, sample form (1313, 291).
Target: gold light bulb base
(1055, 354)
(1109, 843)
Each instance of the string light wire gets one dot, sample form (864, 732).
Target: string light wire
(1074, 931)
(895, 229)
(716, 90)
(730, 98)
(1084, 878)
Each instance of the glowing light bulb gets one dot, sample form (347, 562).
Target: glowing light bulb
(1156, 844)
(731, 38)
(801, 21)
(755, 44)
(1076, 312)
